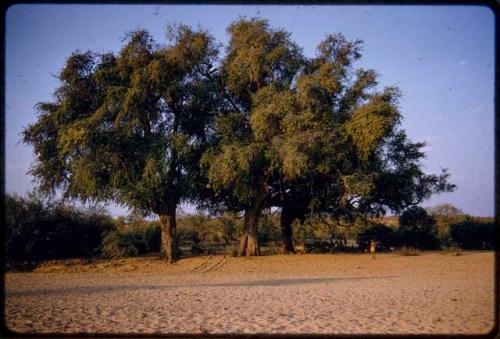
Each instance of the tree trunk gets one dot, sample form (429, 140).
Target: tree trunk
(169, 250)
(286, 221)
(249, 243)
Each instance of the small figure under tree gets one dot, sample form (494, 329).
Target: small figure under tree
(373, 248)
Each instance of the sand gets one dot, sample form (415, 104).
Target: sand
(432, 293)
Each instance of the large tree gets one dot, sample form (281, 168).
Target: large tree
(355, 159)
(312, 136)
(130, 127)
(256, 72)
(316, 151)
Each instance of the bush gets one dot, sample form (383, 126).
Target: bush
(385, 237)
(472, 234)
(38, 229)
(418, 229)
(229, 226)
(136, 240)
(119, 244)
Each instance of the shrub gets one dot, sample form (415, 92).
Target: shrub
(132, 239)
(472, 234)
(418, 229)
(38, 229)
(119, 244)
(229, 226)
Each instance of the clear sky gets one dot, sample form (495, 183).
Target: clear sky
(441, 57)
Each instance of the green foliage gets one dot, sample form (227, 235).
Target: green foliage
(373, 121)
(128, 127)
(123, 244)
(311, 228)
(418, 229)
(131, 239)
(300, 232)
(445, 215)
(473, 234)
(272, 250)
(257, 72)
(258, 55)
(199, 229)
(37, 229)
(229, 226)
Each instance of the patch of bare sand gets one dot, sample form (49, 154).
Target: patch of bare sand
(341, 293)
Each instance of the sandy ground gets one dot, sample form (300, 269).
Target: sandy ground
(308, 293)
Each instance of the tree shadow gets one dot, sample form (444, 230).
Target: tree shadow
(117, 288)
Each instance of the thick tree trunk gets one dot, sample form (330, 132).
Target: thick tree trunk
(286, 220)
(169, 250)
(249, 243)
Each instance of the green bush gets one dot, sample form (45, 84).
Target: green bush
(228, 226)
(38, 229)
(136, 240)
(119, 244)
(472, 234)
(417, 229)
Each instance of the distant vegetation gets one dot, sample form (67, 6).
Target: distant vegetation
(471, 234)
(39, 229)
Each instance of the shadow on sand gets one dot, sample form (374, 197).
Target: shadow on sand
(118, 288)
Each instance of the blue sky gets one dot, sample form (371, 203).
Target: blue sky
(441, 57)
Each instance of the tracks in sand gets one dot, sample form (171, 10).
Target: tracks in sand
(209, 265)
